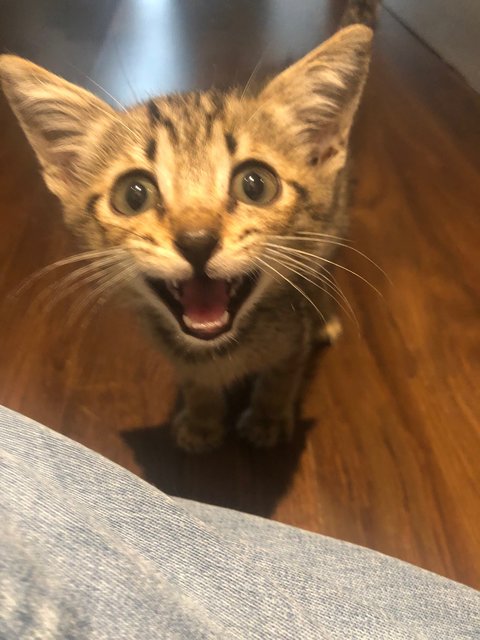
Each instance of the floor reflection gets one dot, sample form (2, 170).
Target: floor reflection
(143, 52)
(138, 48)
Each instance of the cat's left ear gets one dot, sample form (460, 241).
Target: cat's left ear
(316, 98)
(58, 118)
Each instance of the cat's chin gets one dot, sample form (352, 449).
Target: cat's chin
(205, 308)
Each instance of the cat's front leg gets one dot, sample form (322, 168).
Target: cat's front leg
(270, 419)
(199, 426)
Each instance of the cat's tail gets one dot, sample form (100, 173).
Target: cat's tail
(360, 12)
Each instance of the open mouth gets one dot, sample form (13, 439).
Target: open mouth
(203, 307)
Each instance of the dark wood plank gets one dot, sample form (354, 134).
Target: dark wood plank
(388, 452)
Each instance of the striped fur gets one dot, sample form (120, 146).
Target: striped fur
(190, 144)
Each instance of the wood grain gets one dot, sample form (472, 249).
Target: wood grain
(388, 451)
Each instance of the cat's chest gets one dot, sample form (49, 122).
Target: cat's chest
(271, 336)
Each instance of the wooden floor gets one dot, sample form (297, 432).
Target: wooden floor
(389, 452)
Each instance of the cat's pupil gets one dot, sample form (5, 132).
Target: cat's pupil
(253, 185)
(136, 195)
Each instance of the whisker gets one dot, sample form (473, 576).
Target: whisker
(106, 282)
(252, 75)
(328, 277)
(78, 257)
(99, 86)
(78, 307)
(301, 273)
(327, 261)
(325, 271)
(297, 235)
(326, 240)
(271, 275)
(347, 307)
(97, 262)
(336, 287)
(102, 298)
(313, 264)
(122, 107)
(90, 315)
(81, 277)
(294, 286)
(255, 112)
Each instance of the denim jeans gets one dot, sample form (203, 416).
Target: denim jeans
(90, 551)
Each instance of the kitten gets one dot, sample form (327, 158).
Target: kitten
(216, 213)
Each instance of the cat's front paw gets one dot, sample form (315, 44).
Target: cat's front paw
(196, 435)
(265, 431)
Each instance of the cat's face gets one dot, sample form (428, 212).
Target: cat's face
(185, 193)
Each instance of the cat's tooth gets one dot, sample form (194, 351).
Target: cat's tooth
(189, 323)
(206, 326)
(225, 318)
(234, 286)
(173, 290)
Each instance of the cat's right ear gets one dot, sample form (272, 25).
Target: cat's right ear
(57, 117)
(315, 99)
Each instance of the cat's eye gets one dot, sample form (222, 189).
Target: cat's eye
(255, 183)
(134, 193)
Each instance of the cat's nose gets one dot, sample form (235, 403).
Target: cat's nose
(197, 246)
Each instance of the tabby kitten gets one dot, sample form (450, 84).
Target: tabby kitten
(216, 213)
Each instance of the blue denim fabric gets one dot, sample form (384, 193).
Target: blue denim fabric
(90, 551)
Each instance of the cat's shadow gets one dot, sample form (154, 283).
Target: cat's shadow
(236, 475)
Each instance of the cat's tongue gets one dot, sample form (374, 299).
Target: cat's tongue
(205, 303)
